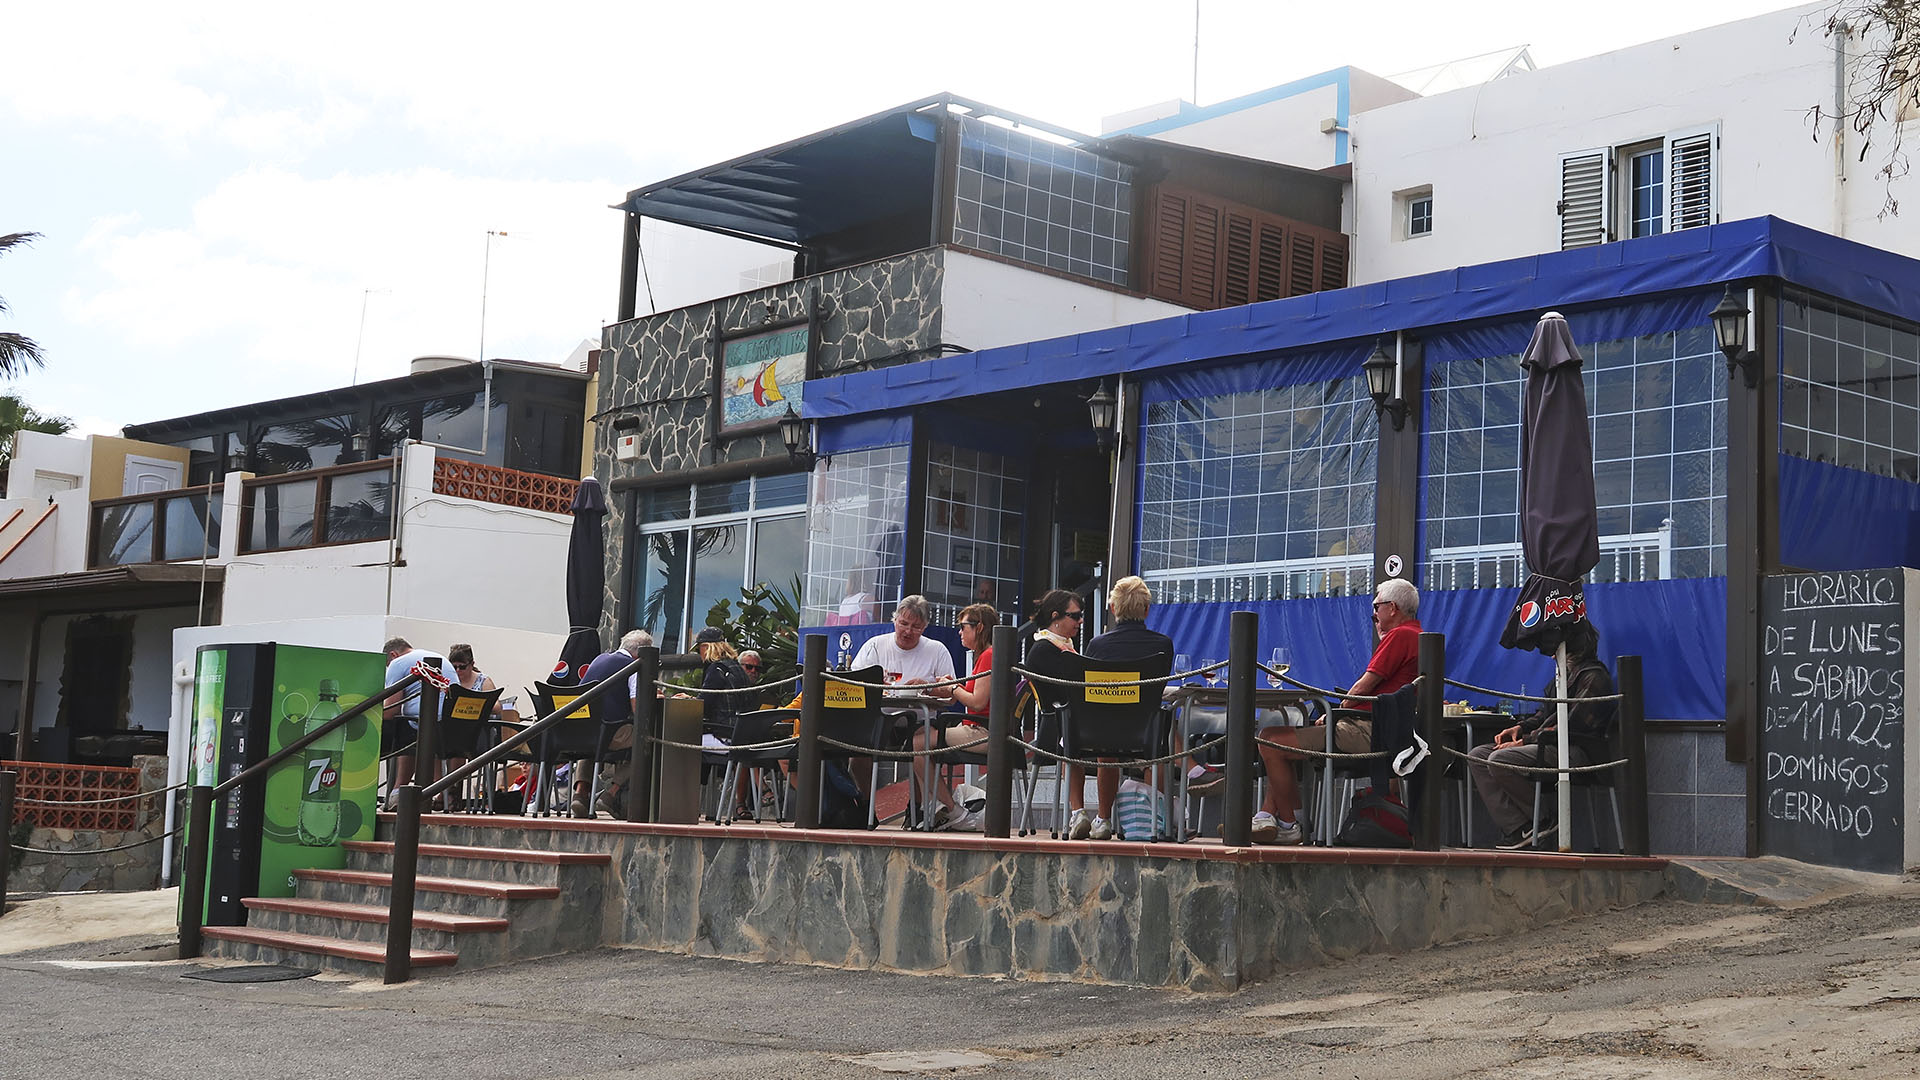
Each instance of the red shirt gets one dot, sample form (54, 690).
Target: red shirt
(982, 664)
(1396, 660)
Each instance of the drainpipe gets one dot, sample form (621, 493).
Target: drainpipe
(1840, 34)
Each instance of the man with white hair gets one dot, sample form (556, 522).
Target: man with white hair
(1395, 663)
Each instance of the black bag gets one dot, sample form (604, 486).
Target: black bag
(1375, 821)
(841, 804)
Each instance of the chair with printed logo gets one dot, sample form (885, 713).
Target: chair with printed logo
(580, 738)
(850, 714)
(1116, 714)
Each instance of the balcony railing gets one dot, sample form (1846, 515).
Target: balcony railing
(1294, 579)
(508, 487)
(1644, 556)
(160, 526)
(347, 504)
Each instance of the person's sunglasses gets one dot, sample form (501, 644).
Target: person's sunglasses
(1076, 615)
(751, 667)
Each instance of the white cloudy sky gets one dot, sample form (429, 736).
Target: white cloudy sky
(223, 189)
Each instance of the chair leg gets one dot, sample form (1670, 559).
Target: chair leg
(1537, 792)
(1619, 833)
(873, 790)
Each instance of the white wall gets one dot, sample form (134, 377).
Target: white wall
(1492, 153)
(986, 303)
(1286, 130)
(51, 453)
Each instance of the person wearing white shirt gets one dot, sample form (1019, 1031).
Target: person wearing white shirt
(905, 655)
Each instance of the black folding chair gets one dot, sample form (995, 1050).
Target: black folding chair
(765, 725)
(1122, 722)
(579, 738)
(851, 714)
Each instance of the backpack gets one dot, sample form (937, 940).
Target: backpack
(841, 804)
(1375, 821)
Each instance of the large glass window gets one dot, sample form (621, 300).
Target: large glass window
(1042, 202)
(975, 508)
(1657, 408)
(1646, 192)
(700, 545)
(856, 525)
(1261, 495)
(1849, 387)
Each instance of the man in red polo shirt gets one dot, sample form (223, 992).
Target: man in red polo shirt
(1395, 663)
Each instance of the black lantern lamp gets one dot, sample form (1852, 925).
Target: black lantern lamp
(1383, 372)
(795, 432)
(1730, 330)
(1103, 410)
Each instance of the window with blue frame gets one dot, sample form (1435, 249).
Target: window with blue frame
(856, 535)
(1646, 192)
(1657, 414)
(975, 507)
(1849, 387)
(1260, 495)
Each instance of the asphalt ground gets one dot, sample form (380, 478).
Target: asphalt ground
(1828, 987)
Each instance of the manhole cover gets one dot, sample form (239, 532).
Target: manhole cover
(251, 973)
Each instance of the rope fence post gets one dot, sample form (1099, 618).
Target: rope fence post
(6, 823)
(1633, 746)
(806, 779)
(426, 746)
(646, 725)
(193, 878)
(1242, 634)
(406, 868)
(1432, 705)
(999, 728)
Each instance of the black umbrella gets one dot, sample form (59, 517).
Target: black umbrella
(586, 582)
(1559, 527)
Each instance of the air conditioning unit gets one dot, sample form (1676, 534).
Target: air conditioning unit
(626, 448)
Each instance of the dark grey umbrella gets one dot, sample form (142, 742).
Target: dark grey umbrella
(1559, 527)
(586, 582)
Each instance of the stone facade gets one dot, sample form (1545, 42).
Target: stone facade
(84, 864)
(660, 369)
(1198, 918)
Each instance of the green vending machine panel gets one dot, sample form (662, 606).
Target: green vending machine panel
(249, 701)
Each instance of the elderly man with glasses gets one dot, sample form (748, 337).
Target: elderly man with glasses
(1395, 663)
(905, 655)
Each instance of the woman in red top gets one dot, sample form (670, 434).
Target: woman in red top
(976, 634)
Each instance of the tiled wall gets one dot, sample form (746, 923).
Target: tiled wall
(1696, 798)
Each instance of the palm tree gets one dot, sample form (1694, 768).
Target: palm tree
(17, 351)
(16, 416)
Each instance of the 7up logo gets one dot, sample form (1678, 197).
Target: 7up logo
(324, 775)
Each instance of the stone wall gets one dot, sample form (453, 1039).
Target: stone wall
(1199, 918)
(659, 368)
(84, 864)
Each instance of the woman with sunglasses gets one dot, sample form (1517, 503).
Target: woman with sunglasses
(976, 635)
(1059, 615)
(470, 677)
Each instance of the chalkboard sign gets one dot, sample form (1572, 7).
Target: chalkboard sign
(1833, 705)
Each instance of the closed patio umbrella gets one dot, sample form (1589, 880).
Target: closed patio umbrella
(586, 582)
(1559, 525)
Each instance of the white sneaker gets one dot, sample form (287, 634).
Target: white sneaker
(973, 821)
(1102, 829)
(1266, 829)
(1288, 834)
(1079, 825)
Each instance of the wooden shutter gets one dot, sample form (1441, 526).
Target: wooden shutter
(1691, 200)
(1585, 197)
(1333, 262)
(1270, 267)
(1200, 289)
(1209, 252)
(1169, 245)
(1236, 280)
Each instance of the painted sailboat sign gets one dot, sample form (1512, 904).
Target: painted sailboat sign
(762, 375)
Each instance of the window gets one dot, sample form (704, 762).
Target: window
(1261, 495)
(1658, 419)
(1663, 185)
(1043, 203)
(856, 523)
(1207, 252)
(1849, 386)
(698, 546)
(1416, 212)
(975, 504)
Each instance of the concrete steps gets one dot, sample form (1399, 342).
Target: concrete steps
(473, 907)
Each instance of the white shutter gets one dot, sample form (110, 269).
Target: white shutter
(1586, 189)
(1692, 196)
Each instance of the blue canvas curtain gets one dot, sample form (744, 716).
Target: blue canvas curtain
(1836, 518)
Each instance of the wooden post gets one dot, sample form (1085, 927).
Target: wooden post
(1432, 706)
(1243, 633)
(806, 780)
(6, 824)
(193, 878)
(1000, 722)
(646, 725)
(1633, 745)
(406, 867)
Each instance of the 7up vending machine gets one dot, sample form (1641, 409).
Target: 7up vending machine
(249, 701)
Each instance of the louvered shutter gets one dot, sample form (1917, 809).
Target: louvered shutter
(1270, 266)
(1333, 263)
(1586, 188)
(1691, 196)
(1169, 245)
(1200, 287)
(1236, 284)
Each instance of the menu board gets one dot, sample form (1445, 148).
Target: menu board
(1833, 710)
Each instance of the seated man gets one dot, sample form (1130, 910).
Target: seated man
(1128, 640)
(1534, 742)
(906, 659)
(1395, 663)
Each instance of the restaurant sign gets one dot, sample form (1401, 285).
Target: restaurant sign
(762, 375)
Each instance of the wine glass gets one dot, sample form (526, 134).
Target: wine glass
(1279, 663)
(1182, 662)
(1214, 674)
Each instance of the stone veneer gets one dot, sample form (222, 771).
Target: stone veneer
(1198, 917)
(83, 863)
(660, 368)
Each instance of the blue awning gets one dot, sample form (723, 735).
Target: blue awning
(1763, 247)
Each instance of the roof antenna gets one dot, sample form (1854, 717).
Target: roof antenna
(1196, 52)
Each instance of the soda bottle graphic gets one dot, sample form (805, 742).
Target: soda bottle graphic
(320, 794)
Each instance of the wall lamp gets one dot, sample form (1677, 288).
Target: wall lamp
(1383, 382)
(797, 434)
(1730, 330)
(1103, 409)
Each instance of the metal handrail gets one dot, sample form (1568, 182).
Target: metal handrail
(193, 880)
(525, 734)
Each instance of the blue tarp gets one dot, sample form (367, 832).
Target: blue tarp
(1598, 324)
(1567, 281)
(1286, 369)
(1677, 627)
(865, 432)
(1836, 518)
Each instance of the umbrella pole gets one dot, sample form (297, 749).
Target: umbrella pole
(1565, 788)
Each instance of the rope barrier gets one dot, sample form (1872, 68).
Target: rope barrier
(756, 688)
(1537, 770)
(1037, 677)
(956, 681)
(98, 802)
(1343, 695)
(1457, 685)
(895, 755)
(1087, 763)
(97, 851)
(1371, 755)
(790, 740)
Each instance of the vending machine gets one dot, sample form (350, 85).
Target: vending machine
(249, 700)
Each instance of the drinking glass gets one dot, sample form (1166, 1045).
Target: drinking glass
(1280, 662)
(1182, 662)
(1213, 674)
